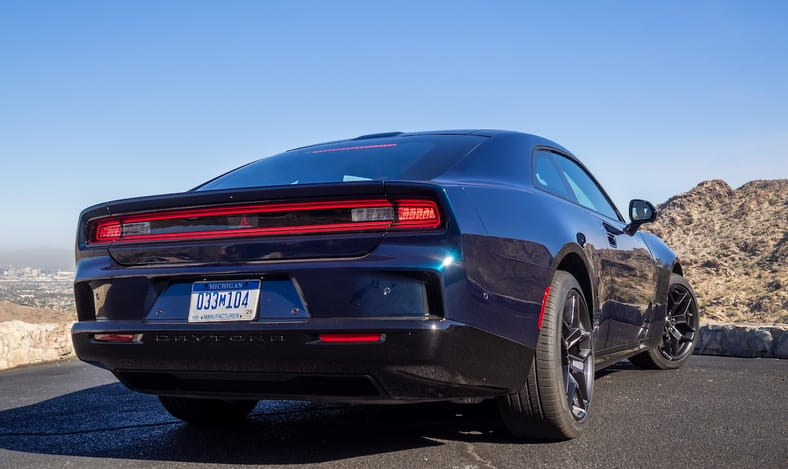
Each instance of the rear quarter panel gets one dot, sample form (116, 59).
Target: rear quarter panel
(511, 239)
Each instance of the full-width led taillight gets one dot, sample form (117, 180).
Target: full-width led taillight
(267, 220)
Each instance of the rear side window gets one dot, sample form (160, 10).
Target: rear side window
(585, 189)
(559, 175)
(547, 176)
(418, 158)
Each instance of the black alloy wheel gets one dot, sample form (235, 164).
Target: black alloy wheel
(681, 324)
(680, 333)
(577, 358)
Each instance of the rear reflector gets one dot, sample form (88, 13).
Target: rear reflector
(373, 215)
(351, 338)
(541, 310)
(114, 337)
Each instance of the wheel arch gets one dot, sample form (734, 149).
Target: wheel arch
(575, 263)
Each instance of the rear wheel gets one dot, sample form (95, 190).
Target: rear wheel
(681, 329)
(196, 410)
(553, 403)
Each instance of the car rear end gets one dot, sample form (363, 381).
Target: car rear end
(328, 281)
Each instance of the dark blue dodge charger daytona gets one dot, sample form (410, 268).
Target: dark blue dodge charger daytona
(397, 267)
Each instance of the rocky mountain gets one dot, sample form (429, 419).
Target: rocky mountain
(733, 245)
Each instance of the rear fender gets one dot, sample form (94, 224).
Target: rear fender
(571, 258)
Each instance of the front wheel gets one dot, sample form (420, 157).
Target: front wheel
(207, 411)
(680, 333)
(553, 404)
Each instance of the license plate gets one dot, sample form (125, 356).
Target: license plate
(227, 300)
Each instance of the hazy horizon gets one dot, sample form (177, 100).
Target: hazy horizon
(49, 258)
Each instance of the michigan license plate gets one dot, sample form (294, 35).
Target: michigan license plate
(234, 300)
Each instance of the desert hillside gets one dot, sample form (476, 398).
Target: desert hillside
(10, 311)
(733, 245)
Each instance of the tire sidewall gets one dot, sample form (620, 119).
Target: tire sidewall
(550, 371)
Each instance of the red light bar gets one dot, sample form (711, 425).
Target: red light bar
(247, 209)
(347, 338)
(280, 219)
(288, 230)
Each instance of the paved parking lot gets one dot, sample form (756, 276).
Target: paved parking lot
(715, 412)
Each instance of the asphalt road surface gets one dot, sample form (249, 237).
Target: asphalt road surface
(715, 412)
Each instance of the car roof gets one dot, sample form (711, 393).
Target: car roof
(478, 132)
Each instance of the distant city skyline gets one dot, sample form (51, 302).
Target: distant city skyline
(33, 271)
(108, 100)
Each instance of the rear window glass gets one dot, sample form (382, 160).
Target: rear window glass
(417, 158)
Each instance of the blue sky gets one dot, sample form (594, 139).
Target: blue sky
(105, 100)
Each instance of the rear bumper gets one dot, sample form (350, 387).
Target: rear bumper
(417, 359)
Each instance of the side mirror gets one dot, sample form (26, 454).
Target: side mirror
(640, 212)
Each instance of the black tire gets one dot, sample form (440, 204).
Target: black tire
(553, 403)
(207, 411)
(680, 333)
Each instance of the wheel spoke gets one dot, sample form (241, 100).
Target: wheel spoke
(684, 306)
(677, 303)
(679, 319)
(578, 393)
(576, 364)
(569, 312)
(571, 387)
(580, 367)
(573, 337)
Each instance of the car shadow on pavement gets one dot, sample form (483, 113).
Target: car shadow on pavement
(110, 421)
(624, 365)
